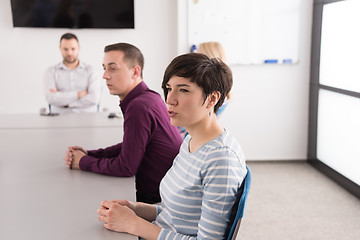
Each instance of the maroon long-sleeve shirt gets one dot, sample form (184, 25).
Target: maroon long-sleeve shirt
(150, 143)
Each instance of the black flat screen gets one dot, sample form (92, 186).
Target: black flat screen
(73, 13)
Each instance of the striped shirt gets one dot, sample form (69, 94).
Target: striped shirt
(200, 189)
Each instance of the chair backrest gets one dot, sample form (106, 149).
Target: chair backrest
(241, 207)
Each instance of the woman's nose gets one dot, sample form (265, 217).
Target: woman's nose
(171, 99)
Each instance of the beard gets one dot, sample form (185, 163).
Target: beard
(70, 60)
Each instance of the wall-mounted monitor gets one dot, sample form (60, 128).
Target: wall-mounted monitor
(73, 13)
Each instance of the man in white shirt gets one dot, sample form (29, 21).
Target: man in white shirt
(72, 86)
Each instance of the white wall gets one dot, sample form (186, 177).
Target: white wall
(269, 111)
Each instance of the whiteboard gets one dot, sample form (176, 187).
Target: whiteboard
(251, 31)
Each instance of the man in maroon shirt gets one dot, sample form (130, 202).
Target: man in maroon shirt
(150, 142)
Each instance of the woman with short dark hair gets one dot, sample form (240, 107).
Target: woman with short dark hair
(200, 189)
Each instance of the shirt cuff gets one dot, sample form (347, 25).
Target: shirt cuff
(85, 163)
(158, 209)
(166, 234)
(94, 153)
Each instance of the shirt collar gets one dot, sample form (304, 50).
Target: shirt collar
(61, 65)
(137, 91)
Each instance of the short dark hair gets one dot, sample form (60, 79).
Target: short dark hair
(69, 36)
(210, 74)
(132, 55)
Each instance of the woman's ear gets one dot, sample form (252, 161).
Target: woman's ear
(213, 99)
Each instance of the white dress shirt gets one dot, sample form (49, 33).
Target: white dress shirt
(68, 83)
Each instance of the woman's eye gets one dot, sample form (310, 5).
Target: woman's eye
(184, 90)
(168, 89)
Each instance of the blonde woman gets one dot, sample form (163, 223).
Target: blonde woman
(212, 50)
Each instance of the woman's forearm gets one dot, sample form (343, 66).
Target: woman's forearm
(144, 229)
(145, 211)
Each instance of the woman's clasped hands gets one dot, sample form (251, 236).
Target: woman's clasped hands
(117, 215)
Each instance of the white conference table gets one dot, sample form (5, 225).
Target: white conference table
(40, 198)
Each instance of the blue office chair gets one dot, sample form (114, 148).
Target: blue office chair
(239, 207)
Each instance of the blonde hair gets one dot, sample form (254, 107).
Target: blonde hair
(212, 50)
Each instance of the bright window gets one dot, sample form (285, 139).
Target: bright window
(340, 45)
(338, 141)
